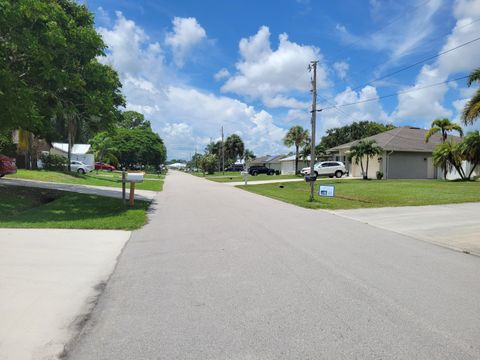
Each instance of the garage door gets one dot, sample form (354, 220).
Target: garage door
(407, 165)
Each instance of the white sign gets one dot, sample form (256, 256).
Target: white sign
(326, 190)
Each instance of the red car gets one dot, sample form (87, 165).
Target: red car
(7, 166)
(103, 166)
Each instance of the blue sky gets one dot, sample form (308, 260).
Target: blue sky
(193, 66)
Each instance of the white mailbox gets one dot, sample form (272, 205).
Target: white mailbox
(135, 177)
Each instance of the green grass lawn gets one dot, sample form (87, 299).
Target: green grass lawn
(353, 194)
(103, 178)
(23, 207)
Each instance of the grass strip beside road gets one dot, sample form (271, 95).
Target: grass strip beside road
(102, 178)
(355, 194)
(236, 176)
(22, 207)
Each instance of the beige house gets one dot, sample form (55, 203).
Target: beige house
(406, 155)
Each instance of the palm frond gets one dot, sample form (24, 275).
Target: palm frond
(471, 111)
(432, 131)
(474, 76)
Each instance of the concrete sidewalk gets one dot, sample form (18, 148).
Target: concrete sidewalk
(48, 279)
(145, 195)
(455, 226)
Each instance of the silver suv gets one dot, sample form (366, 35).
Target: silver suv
(327, 168)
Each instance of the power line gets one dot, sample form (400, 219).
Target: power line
(417, 63)
(413, 65)
(394, 94)
(388, 24)
(431, 40)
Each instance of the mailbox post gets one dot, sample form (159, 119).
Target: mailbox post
(245, 176)
(134, 178)
(124, 184)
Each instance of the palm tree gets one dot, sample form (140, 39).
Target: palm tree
(297, 136)
(102, 149)
(448, 156)
(470, 150)
(444, 126)
(471, 111)
(364, 149)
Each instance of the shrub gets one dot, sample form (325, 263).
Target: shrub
(54, 162)
(379, 175)
(208, 164)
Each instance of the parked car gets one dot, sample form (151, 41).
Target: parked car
(7, 166)
(327, 168)
(80, 167)
(103, 166)
(235, 167)
(255, 170)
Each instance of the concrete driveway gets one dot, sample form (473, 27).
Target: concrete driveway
(48, 279)
(456, 226)
(83, 189)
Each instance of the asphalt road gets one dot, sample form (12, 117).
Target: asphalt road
(220, 273)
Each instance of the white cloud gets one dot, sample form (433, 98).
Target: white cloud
(102, 18)
(427, 104)
(341, 68)
(397, 38)
(187, 33)
(274, 76)
(151, 87)
(221, 74)
(129, 50)
(371, 110)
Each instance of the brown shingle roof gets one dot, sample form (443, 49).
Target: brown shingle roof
(404, 138)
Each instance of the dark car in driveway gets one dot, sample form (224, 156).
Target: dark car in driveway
(7, 166)
(256, 170)
(235, 167)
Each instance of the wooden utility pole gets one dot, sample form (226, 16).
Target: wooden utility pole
(313, 66)
(223, 154)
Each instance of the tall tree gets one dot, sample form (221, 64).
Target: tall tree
(51, 82)
(133, 119)
(297, 136)
(234, 148)
(444, 126)
(132, 146)
(352, 132)
(471, 111)
(365, 149)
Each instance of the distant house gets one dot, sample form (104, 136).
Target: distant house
(288, 164)
(177, 166)
(270, 161)
(406, 155)
(79, 152)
